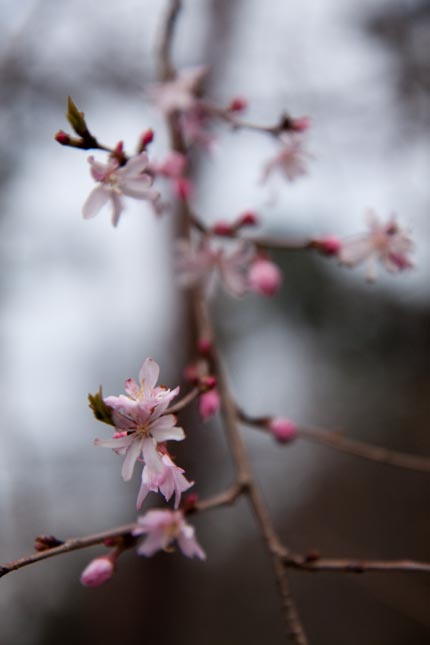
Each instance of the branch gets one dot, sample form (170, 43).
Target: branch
(225, 498)
(337, 565)
(166, 69)
(348, 446)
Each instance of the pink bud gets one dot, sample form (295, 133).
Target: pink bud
(238, 104)
(329, 245)
(264, 277)
(204, 346)
(247, 219)
(208, 382)
(98, 571)
(147, 137)
(283, 430)
(301, 124)
(209, 404)
(223, 228)
(191, 373)
(62, 137)
(183, 187)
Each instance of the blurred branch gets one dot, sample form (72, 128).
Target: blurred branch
(356, 566)
(348, 446)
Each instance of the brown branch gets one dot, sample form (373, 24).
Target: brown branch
(241, 124)
(225, 498)
(166, 69)
(348, 446)
(186, 400)
(337, 565)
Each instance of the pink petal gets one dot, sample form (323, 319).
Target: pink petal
(131, 456)
(149, 373)
(95, 201)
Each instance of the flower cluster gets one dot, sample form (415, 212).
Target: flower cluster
(142, 428)
(240, 268)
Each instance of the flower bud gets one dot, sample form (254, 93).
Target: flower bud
(183, 188)
(45, 542)
(209, 404)
(146, 138)
(247, 219)
(238, 104)
(264, 277)
(98, 571)
(62, 137)
(283, 430)
(223, 228)
(329, 245)
(204, 346)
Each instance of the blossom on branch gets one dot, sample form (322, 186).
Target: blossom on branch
(162, 528)
(385, 242)
(99, 570)
(291, 160)
(179, 94)
(142, 428)
(117, 181)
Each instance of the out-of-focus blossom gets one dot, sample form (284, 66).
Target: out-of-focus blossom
(209, 404)
(162, 528)
(161, 474)
(234, 268)
(99, 570)
(264, 277)
(179, 94)
(195, 123)
(115, 182)
(283, 430)
(291, 160)
(328, 245)
(385, 242)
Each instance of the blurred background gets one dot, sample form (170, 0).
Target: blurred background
(83, 304)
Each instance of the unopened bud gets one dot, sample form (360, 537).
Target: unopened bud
(62, 137)
(209, 404)
(99, 571)
(45, 542)
(283, 430)
(208, 382)
(223, 228)
(238, 104)
(183, 188)
(329, 245)
(264, 277)
(247, 219)
(190, 502)
(146, 138)
(204, 346)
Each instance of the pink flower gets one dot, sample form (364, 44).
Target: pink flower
(162, 528)
(99, 571)
(264, 277)
(387, 243)
(290, 160)
(283, 430)
(198, 262)
(209, 404)
(161, 474)
(195, 125)
(141, 425)
(172, 167)
(178, 95)
(115, 182)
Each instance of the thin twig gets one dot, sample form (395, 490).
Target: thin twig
(186, 400)
(225, 498)
(348, 446)
(337, 565)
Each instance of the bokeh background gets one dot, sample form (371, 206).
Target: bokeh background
(84, 304)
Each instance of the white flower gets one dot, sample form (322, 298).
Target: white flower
(387, 243)
(129, 180)
(162, 527)
(291, 160)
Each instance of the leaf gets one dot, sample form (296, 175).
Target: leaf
(76, 118)
(101, 411)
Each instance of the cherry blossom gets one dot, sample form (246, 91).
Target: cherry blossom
(141, 427)
(162, 528)
(385, 242)
(178, 95)
(290, 160)
(117, 181)
(161, 474)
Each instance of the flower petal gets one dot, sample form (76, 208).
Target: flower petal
(149, 373)
(131, 456)
(95, 201)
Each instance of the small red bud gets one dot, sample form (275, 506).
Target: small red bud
(208, 382)
(283, 430)
(45, 542)
(146, 138)
(301, 124)
(238, 104)
(329, 245)
(249, 218)
(223, 228)
(183, 188)
(204, 346)
(62, 137)
(190, 502)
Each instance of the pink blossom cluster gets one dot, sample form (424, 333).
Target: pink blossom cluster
(240, 268)
(142, 428)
